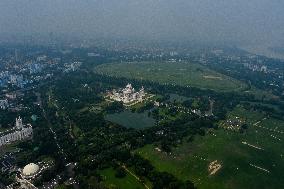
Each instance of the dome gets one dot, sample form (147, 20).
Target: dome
(30, 169)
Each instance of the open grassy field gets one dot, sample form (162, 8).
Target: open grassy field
(243, 166)
(184, 74)
(131, 120)
(128, 182)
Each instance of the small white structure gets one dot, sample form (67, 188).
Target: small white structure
(41, 58)
(263, 69)
(4, 104)
(11, 96)
(19, 132)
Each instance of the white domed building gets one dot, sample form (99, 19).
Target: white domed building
(127, 95)
(30, 170)
(29, 174)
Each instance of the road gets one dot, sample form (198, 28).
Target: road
(49, 125)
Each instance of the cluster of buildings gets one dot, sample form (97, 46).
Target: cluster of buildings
(233, 124)
(4, 78)
(10, 102)
(17, 80)
(17, 133)
(7, 162)
(127, 95)
(23, 70)
(256, 67)
(72, 67)
(35, 68)
(26, 176)
(7, 78)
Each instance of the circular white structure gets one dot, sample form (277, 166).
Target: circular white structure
(30, 169)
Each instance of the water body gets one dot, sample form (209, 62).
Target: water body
(131, 120)
(179, 98)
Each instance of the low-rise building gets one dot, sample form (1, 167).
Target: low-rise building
(4, 104)
(19, 132)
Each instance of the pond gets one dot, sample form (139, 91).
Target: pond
(131, 120)
(179, 98)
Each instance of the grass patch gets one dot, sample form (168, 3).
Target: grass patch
(183, 74)
(191, 160)
(8, 148)
(128, 182)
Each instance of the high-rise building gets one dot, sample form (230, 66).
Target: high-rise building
(17, 56)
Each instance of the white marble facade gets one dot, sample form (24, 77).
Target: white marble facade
(19, 132)
(128, 94)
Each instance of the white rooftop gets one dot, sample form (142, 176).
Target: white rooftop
(30, 169)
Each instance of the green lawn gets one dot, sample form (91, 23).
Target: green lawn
(191, 160)
(128, 182)
(8, 148)
(184, 74)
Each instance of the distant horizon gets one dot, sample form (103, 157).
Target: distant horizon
(242, 22)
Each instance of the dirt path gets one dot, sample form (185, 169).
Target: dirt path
(136, 177)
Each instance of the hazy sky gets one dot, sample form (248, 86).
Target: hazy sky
(206, 20)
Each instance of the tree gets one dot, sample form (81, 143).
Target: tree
(165, 146)
(120, 172)
(114, 107)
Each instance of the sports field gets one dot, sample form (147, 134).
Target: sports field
(184, 74)
(251, 160)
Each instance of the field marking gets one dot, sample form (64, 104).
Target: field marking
(253, 146)
(260, 168)
(272, 130)
(256, 124)
(275, 137)
(201, 158)
(212, 77)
